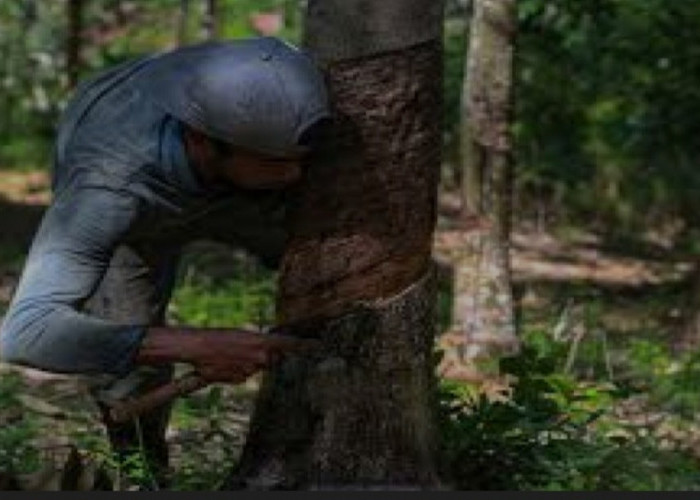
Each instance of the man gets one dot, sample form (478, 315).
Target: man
(196, 143)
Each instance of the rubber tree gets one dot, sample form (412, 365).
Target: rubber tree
(483, 313)
(687, 338)
(359, 413)
(209, 20)
(74, 37)
(183, 14)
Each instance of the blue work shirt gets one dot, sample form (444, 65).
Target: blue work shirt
(121, 176)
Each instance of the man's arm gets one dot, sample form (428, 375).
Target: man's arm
(218, 355)
(44, 327)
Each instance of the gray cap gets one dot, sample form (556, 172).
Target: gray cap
(261, 94)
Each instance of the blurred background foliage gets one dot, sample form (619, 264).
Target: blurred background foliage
(607, 109)
(34, 77)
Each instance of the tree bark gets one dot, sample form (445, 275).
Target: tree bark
(360, 414)
(74, 13)
(483, 320)
(688, 337)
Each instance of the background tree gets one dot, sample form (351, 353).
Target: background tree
(210, 20)
(183, 13)
(483, 317)
(74, 39)
(361, 413)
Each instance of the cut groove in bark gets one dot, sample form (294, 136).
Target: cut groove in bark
(360, 414)
(364, 225)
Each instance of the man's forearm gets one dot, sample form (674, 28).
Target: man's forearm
(164, 344)
(217, 354)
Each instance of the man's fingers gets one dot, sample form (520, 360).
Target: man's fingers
(275, 341)
(292, 344)
(273, 357)
(230, 374)
(265, 340)
(281, 344)
(261, 356)
(234, 358)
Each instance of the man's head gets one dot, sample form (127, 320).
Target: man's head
(248, 106)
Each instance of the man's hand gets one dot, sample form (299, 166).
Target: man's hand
(233, 357)
(218, 355)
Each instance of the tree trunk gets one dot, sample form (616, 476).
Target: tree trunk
(291, 14)
(484, 321)
(688, 337)
(360, 415)
(74, 14)
(182, 16)
(209, 20)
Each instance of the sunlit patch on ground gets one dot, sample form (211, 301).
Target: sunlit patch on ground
(25, 187)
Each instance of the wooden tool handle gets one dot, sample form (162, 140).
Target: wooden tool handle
(124, 411)
(277, 341)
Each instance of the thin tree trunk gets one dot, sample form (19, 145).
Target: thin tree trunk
(484, 320)
(74, 14)
(291, 14)
(361, 413)
(688, 338)
(471, 167)
(209, 20)
(182, 17)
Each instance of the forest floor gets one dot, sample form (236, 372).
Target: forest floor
(560, 277)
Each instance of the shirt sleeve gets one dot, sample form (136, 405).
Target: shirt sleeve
(44, 327)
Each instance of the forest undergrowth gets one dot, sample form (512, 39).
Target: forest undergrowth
(595, 399)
